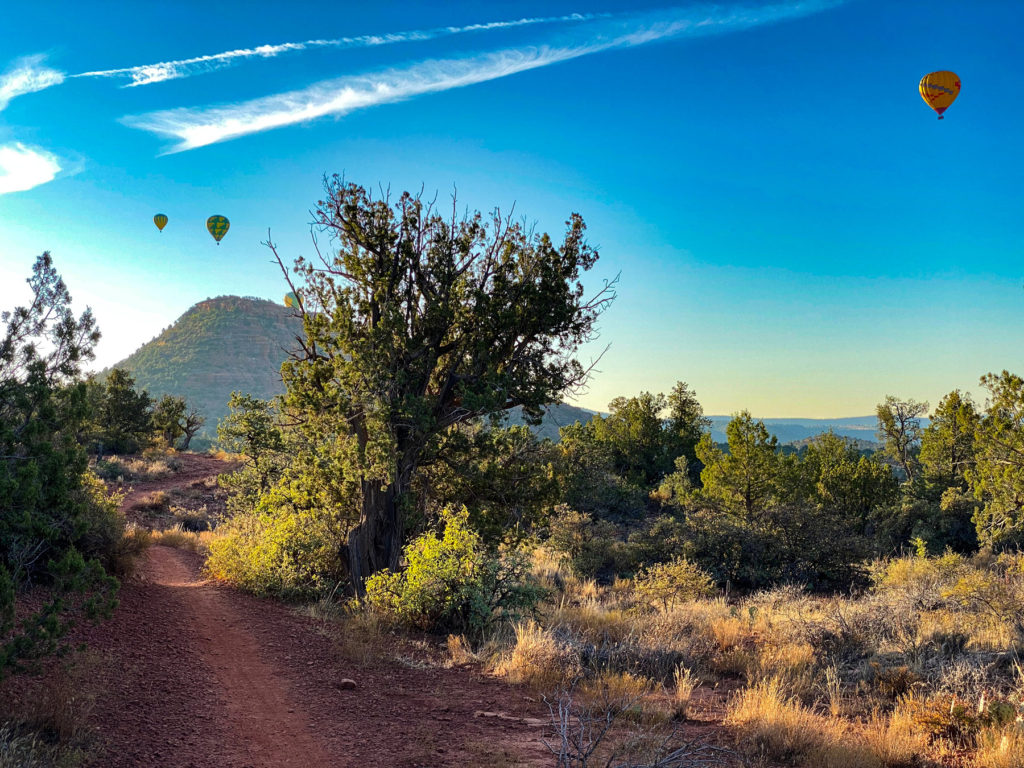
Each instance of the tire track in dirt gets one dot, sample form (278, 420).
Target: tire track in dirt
(203, 676)
(200, 675)
(268, 726)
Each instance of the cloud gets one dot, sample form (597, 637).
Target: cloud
(22, 167)
(27, 75)
(199, 127)
(147, 74)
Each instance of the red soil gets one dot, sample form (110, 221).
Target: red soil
(202, 675)
(198, 674)
(195, 468)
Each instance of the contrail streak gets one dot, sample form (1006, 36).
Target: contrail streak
(200, 127)
(146, 74)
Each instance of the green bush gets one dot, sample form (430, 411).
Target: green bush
(285, 552)
(589, 546)
(102, 524)
(673, 582)
(451, 583)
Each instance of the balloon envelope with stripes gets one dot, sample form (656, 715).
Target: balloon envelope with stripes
(939, 90)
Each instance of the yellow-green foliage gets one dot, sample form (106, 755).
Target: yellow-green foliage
(287, 552)
(452, 583)
(675, 581)
(920, 580)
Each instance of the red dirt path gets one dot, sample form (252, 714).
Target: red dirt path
(195, 468)
(198, 674)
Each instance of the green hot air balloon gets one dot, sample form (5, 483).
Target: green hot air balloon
(161, 221)
(218, 227)
(291, 300)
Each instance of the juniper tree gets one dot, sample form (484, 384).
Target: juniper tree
(417, 321)
(51, 518)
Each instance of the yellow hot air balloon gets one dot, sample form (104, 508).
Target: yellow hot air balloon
(161, 221)
(291, 300)
(218, 227)
(939, 90)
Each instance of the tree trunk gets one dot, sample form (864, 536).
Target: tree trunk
(376, 543)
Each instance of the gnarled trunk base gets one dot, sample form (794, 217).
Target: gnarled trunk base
(376, 543)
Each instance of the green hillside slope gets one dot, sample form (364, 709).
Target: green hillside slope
(218, 346)
(233, 343)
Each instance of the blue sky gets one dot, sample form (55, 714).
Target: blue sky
(795, 231)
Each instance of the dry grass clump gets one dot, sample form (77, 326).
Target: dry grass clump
(773, 725)
(124, 469)
(359, 637)
(52, 730)
(459, 651)
(616, 691)
(536, 658)
(594, 621)
(196, 520)
(178, 538)
(1001, 748)
(129, 549)
(896, 740)
(157, 502)
(686, 682)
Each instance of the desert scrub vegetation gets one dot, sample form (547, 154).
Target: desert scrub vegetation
(452, 583)
(126, 469)
(51, 729)
(920, 668)
(778, 572)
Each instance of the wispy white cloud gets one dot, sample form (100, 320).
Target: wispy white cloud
(199, 127)
(146, 74)
(23, 167)
(27, 75)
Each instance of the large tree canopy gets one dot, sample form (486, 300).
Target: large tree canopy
(417, 321)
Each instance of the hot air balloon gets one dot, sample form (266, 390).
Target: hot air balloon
(291, 300)
(939, 90)
(218, 227)
(161, 221)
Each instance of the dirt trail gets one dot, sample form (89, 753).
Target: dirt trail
(200, 675)
(195, 468)
(266, 726)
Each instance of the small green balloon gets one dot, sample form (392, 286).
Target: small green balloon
(218, 227)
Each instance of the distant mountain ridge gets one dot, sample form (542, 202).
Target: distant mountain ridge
(235, 343)
(555, 417)
(861, 428)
